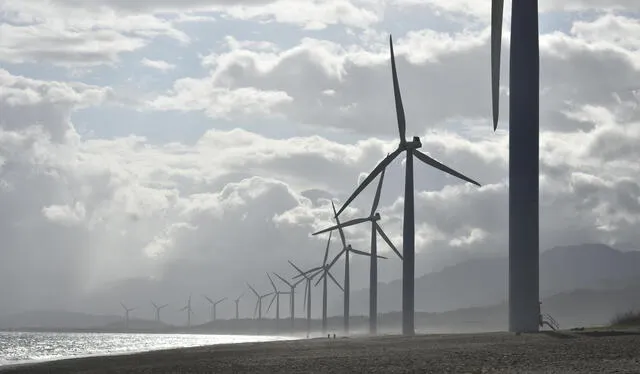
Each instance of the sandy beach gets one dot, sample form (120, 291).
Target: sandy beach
(600, 352)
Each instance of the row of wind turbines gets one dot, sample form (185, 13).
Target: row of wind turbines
(322, 273)
(523, 191)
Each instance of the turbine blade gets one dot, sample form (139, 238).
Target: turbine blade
(304, 301)
(365, 253)
(271, 303)
(335, 281)
(254, 291)
(335, 259)
(163, 306)
(328, 229)
(297, 282)
(387, 240)
(295, 267)
(431, 162)
(208, 298)
(376, 199)
(396, 94)
(343, 225)
(374, 173)
(304, 273)
(326, 251)
(497, 7)
(255, 311)
(220, 300)
(324, 274)
(272, 284)
(284, 280)
(310, 277)
(342, 238)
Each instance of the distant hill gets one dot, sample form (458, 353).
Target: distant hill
(484, 281)
(570, 309)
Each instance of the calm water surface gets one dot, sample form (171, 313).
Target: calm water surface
(24, 347)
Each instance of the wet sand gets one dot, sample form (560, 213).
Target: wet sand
(564, 353)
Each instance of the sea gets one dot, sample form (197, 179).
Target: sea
(30, 347)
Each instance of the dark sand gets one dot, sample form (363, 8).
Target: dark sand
(469, 353)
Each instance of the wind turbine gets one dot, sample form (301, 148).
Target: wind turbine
(214, 305)
(126, 314)
(259, 297)
(158, 308)
(292, 300)
(524, 156)
(324, 269)
(189, 311)
(346, 250)
(408, 230)
(307, 296)
(276, 298)
(237, 301)
(373, 217)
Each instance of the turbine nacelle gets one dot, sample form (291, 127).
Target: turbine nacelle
(415, 143)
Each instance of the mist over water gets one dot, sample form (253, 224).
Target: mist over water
(25, 347)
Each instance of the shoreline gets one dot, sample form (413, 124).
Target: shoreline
(500, 352)
(44, 361)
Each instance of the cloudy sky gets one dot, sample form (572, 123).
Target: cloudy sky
(197, 143)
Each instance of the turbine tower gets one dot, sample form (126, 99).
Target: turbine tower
(292, 300)
(237, 301)
(214, 305)
(408, 230)
(373, 217)
(524, 155)
(158, 308)
(259, 298)
(189, 311)
(276, 298)
(306, 305)
(346, 250)
(126, 315)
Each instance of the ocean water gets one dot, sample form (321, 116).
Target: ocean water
(25, 347)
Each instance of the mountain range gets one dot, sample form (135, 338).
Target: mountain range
(580, 284)
(484, 281)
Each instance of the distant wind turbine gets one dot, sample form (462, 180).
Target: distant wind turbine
(292, 295)
(306, 305)
(189, 311)
(214, 305)
(237, 301)
(158, 308)
(324, 269)
(259, 298)
(524, 156)
(373, 217)
(408, 242)
(276, 298)
(126, 314)
(346, 250)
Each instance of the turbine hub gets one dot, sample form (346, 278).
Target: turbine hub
(376, 217)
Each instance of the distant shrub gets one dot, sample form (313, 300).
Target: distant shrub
(630, 318)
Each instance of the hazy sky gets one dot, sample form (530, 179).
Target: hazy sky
(198, 142)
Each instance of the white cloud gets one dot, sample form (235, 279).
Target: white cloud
(157, 64)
